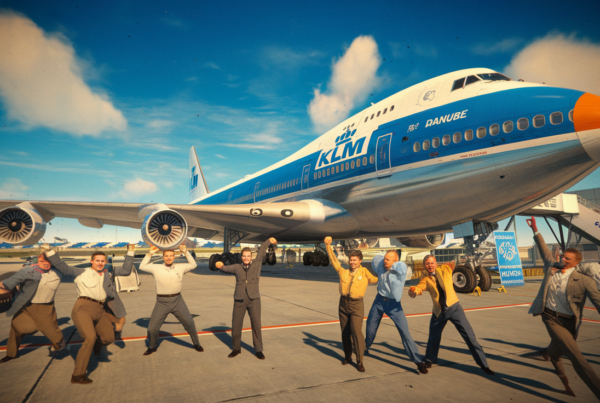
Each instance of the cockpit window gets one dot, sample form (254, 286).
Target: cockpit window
(458, 84)
(493, 77)
(471, 80)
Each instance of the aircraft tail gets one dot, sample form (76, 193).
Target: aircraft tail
(198, 187)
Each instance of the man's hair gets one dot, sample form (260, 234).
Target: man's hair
(427, 257)
(246, 249)
(356, 253)
(168, 250)
(97, 253)
(577, 254)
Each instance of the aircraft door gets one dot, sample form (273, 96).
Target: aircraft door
(256, 191)
(305, 178)
(382, 156)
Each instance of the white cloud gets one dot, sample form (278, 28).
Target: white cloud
(13, 188)
(138, 187)
(212, 65)
(41, 82)
(559, 60)
(159, 124)
(505, 45)
(220, 156)
(353, 77)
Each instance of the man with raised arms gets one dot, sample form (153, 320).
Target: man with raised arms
(168, 278)
(353, 285)
(33, 309)
(246, 297)
(95, 288)
(392, 274)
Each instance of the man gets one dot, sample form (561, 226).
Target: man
(560, 302)
(95, 289)
(246, 297)
(392, 275)
(114, 308)
(168, 278)
(353, 284)
(33, 309)
(446, 307)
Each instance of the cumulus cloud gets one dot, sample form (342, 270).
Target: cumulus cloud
(559, 60)
(353, 77)
(12, 188)
(41, 82)
(138, 187)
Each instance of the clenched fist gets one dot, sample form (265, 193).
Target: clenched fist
(328, 240)
(219, 265)
(153, 250)
(532, 224)
(273, 241)
(131, 247)
(182, 248)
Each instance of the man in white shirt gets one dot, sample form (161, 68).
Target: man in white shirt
(168, 277)
(95, 289)
(33, 309)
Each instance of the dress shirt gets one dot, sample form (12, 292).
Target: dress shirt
(391, 282)
(352, 284)
(168, 278)
(90, 284)
(556, 296)
(47, 287)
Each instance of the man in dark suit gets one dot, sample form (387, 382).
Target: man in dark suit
(247, 297)
(560, 302)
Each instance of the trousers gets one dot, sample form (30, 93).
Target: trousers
(456, 315)
(352, 313)
(30, 319)
(393, 309)
(93, 326)
(240, 307)
(163, 307)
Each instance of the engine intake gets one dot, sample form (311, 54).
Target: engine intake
(21, 225)
(165, 229)
(427, 241)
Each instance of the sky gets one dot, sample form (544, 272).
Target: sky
(101, 101)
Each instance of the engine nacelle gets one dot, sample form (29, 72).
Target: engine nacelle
(21, 225)
(424, 241)
(164, 228)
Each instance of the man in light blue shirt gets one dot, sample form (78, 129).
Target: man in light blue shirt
(392, 275)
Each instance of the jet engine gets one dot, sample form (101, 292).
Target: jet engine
(164, 228)
(427, 241)
(21, 225)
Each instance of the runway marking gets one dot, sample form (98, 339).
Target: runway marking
(275, 327)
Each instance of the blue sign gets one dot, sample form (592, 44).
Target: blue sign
(509, 261)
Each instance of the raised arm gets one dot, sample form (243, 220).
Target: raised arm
(145, 265)
(332, 258)
(591, 270)
(541, 244)
(191, 262)
(399, 270)
(377, 264)
(263, 248)
(127, 267)
(227, 269)
(61, 266)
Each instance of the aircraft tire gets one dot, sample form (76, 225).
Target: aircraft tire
(211, 262)
(464, 280)
(316, 259)
(307, 258)
(325, 260)
(485, 280)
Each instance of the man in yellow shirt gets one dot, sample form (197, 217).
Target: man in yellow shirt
(353, 284)
(446, 307)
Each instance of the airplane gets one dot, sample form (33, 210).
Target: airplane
(456, 153)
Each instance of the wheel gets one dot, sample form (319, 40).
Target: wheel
(271, 256)
(307, 258)
(324, 260)
(237, 258)
(464, 280)
(485, 280)
(212, 260)
(316, 259)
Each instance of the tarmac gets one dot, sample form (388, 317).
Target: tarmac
(302, 345)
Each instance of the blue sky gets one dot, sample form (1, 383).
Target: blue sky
(101, 101)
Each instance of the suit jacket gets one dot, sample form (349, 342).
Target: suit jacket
(579, 286)
(116, 305)
(247, 281)
(443, 274)
(29, 279)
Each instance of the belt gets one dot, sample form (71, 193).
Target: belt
(43, 303)
(350, 299)
(93, 300)
(558, 314)
(167, 295)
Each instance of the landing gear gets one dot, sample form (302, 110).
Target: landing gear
(318, 257)
(230, 238)
(464, 279)
(472, 274)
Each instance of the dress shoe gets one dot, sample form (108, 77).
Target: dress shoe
(545, 355)
(360, 367)
(81, 379)
(199, 348)
(63, 345)
(422, 367)
(234, 353)
(488, 371)
(7, 358)
(260, 355)
(150, 351)
(427, 364)
(347, 361)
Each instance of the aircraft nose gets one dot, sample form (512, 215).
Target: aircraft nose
(586, 118)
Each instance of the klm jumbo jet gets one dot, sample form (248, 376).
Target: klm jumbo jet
(469, 147)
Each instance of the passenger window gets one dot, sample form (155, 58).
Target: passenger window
(458, 84)
(425, 145)
(337, 169)
(384, 111)
(417, 147)
(365, 161)
(539, 121)
(481, 132)
(522, 124)
(469, 135)
(367, 118)
(457, 137)
(446, 139)
(494, 129)
(435, 143)
(378, 113)
(508, 126)
(327, 171)
(372, 159)
(358, 163)
(319, 174)
(392, 108)
(352, 125)
(571, 115)
(347, 166)
(556, 118)
(372, 116)
(342, 167)
(352, 165)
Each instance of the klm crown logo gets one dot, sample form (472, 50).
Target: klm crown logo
(193, 179)
(350, 147)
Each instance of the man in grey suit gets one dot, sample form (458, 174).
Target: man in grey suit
(33, 309)
(560, 302)
(247, 297)
(114, 308)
